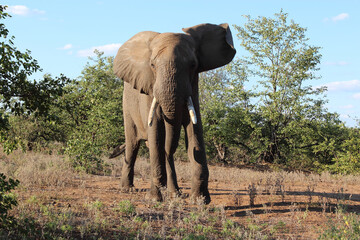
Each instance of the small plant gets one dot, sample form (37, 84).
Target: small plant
(97, 205)
(310, 191)
(192, 236)
(340, 198)
(33, 200)
(279, 184)
(126, 207)
(324, 202)
(266, 208)
(280, 226)
(280, 187)
(228, 227)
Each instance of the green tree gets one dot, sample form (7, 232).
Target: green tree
(18, 95)
(225, 108)
(282, 61)
(92, 114)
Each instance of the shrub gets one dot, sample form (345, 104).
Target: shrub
(126, 207)
(7, 201)
(347, 160)
(347, 226)
(91, 113)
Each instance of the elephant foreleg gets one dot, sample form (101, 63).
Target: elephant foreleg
(156, 141)
(171, 184)
(171, 143)
(197, 156)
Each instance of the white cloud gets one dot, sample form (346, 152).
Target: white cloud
(67, 46)
(107, 49)
(19, 10)
(349, 106)
(352, 85)
(356, 96)
(23, 10)
(340, 17)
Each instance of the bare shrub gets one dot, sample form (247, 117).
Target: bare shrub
(324, 202)
(252, 191)
(115, 165)
(237, 198)
(34, 169)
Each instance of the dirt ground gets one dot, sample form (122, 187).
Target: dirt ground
(297, 207)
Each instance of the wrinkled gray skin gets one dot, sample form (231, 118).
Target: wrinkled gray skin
(166, 66)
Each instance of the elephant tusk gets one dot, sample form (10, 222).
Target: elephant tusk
(152, 112)
(191, 109)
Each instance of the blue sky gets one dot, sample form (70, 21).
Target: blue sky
(63, 34)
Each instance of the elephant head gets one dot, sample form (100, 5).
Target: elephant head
(165, 66)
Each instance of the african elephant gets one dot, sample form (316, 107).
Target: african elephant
(160, 73)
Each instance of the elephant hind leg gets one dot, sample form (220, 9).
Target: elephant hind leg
(131, 151)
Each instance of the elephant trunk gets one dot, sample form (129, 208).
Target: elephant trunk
(172, 92)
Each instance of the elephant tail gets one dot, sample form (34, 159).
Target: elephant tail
(117, 151)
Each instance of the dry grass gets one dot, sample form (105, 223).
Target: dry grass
(245, 203)
(36, 169)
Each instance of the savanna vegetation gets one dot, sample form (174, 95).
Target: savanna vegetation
(59, 133)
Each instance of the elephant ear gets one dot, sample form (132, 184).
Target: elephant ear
(132, 62)
(215, 47)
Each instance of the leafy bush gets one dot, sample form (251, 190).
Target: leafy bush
(91, 113)
(7, 201)
(347, 159)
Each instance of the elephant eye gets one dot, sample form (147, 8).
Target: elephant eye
(193, 64)
(152, 63)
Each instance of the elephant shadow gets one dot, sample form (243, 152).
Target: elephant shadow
(329, 203)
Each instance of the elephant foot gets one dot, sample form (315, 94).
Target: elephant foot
(154, 194)
(176, 194)
(173, 191)
(173, 194)
(127, 188)
(184, 195)
(200, 191)
(200, 198)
